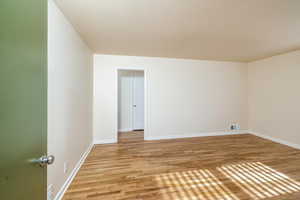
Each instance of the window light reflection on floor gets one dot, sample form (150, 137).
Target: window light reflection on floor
(193, 185)
(259, 181)
(255, 179)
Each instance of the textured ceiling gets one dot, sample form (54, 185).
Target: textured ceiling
(228, 30)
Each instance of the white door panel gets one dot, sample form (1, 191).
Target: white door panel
(125, 101)
(138, 101)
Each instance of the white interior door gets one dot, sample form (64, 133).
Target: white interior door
(125, 101)
(138, 101)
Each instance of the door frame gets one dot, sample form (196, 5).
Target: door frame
(146, 97)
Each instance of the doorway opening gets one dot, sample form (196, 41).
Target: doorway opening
(131, 105)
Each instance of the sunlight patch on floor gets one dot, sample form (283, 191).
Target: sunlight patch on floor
(259, 181)
(193, 185)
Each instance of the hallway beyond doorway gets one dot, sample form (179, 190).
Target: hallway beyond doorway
(130, 137)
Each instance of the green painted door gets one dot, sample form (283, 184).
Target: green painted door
(23, 98)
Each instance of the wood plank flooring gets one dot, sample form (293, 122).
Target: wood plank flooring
(233, 167)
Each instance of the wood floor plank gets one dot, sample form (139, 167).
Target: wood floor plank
(233, 167)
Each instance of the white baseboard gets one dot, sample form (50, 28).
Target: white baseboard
(191, 135)
(125, 130)
(106, 141)
(277, 140)
(65, 186)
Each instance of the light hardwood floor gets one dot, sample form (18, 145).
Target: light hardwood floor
(234, 167)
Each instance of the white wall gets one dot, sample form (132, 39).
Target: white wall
(184, 96)
(274, 97)
(69, 96)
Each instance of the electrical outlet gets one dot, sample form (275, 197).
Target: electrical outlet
(234, 127)
(50, 192)
(66, 167)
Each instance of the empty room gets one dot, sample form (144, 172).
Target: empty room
(150, 100)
